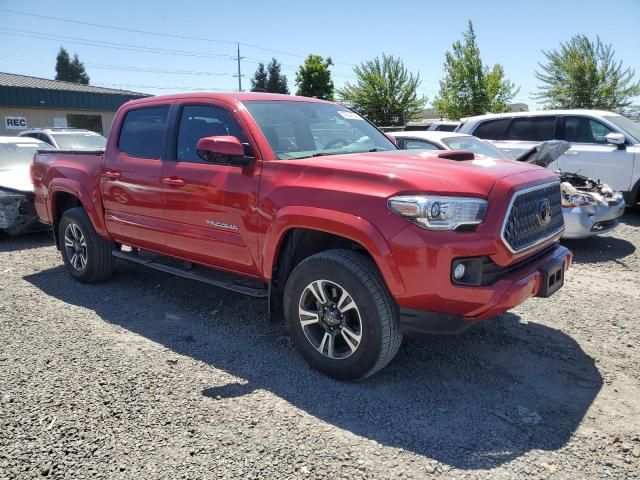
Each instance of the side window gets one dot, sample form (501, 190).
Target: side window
(419, 145)
(492, 129)
(44, 137)
(585, 130)
(199, 121)
(142, 133)
(537, 129)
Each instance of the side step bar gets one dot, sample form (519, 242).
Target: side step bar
(246, 286)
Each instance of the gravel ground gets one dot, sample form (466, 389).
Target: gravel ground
(152, 376)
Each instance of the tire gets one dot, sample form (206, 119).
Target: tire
(357, 311)
(99, 262)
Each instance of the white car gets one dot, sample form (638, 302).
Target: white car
(67, 138)
(604, 145)
(589, 206)
(17, 210)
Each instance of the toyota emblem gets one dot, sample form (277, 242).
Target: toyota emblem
(544, 213)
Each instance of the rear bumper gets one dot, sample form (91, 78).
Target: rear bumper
(519, 284)
(589, 220)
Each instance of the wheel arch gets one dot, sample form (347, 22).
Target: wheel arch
(64, 195)
(301, 232)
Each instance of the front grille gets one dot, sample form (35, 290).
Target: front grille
(525, 225)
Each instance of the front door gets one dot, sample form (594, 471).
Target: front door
(130, 179)
(590, 154)
(210, 209)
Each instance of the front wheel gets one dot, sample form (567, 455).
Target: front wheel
(87, 256)
(341, 316)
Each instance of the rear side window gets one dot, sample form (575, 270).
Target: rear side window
(419, 145)
(199, 121)
(142, 133)
(492, 129)
(538, 129)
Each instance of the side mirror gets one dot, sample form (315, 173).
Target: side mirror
(392, 138)
(616, 139)
(224, 150)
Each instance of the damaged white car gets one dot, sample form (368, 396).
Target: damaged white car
(590, 207)
(17, 210)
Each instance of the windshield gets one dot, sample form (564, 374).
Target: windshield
(474, 145)
(305, 129)
(626, 124)
(79, 141)
(14, 154)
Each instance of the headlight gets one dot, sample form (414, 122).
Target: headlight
(433, 212)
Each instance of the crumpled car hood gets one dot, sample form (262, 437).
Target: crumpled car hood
(16, 178)
(545, 153)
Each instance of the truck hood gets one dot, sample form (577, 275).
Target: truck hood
(16, 178)
(418, 171)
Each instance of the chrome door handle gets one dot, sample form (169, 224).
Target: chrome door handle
(173, 181)
(112, 174)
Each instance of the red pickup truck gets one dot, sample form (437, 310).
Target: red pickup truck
(302, 201)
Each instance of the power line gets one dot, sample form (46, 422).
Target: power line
(114, 45)
(157, 34)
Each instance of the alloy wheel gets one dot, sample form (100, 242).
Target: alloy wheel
(75, 247)
(330, 319)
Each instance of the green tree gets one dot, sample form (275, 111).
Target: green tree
(469, 87)
(259, 80)
(277, 82)
(584, 74)
(70, 70)
(314, 78)
(385, 92)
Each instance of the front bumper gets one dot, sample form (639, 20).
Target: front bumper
(589, 220)
(18, 215)
(432, 303)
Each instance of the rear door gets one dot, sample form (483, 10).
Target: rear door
(130, 179)
(210, 209)
(592, 156)
(524, 133)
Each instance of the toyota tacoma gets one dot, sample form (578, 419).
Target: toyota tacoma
(304, 202)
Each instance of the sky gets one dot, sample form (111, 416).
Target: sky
(512, 33)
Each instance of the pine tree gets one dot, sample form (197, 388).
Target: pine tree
(469, 87)
(314, 78)
(259, 80)
(70, 70)
(277, 82)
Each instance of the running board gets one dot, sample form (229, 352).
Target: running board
(246, 286)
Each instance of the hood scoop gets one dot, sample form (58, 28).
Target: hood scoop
(457, 155)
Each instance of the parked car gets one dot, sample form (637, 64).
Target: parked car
(432, 126)
(17, 211)
(589, 206)
(353, 243)
(604, 145)
(67, 138)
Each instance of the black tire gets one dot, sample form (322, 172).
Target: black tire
(376, 312)
(100, 262)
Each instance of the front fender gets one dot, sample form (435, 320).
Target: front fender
(88, 201)
(341, 224)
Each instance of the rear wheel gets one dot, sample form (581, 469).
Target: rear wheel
(341, 316)
(86, 255)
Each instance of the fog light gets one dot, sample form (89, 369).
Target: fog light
(459, 271)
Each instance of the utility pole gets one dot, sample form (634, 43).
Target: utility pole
(239, 73)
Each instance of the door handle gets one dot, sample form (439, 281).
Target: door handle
(173, 181)
(571, 152)
(112, 174)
